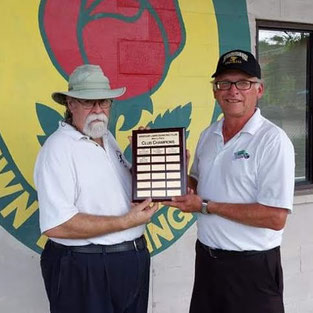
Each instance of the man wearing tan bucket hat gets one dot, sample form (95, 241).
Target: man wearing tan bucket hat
(96, 258)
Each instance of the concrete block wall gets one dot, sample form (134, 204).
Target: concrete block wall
(21, 285)
(172, 276)
(297, 257)
(299, 11)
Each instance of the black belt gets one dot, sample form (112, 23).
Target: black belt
(137, 244)
(219, 253)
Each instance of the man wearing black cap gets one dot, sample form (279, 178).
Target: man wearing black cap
(243, 182)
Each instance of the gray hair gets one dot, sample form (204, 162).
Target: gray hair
(68, 116)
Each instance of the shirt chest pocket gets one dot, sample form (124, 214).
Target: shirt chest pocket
(242, 169)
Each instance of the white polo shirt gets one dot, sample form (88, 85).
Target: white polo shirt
(73, 174)
(255, 166)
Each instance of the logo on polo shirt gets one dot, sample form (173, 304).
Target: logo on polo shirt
(121, 158)
(242, 154)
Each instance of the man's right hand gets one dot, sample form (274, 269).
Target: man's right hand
(188, 203)
(141, 213)
(83, 225)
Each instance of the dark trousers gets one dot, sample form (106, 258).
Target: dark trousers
(237, 283)
(97, 282)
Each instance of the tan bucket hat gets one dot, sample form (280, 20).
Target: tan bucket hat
(88, 82)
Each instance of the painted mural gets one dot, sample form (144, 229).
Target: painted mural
(163, 51)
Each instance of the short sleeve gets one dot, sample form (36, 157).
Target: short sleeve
(194, 170)
(54, 178)
(276, 173)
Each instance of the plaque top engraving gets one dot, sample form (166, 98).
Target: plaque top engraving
(158, 139)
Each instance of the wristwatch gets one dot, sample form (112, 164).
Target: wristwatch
(204, 207)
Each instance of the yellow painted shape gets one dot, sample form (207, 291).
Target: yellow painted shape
(149, 245)
(163, 231)
(22, 211)
(184, 218)
(26, 77)
(5, 179)
(41, 242)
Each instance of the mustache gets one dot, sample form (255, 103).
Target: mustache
(97, 129)
(100, 117)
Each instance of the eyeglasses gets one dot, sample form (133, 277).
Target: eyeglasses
(240, 84)
(88, 104)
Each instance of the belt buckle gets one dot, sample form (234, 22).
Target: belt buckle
(212, 255)
(135, 245)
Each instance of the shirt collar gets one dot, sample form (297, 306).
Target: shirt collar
(253, 124)
(71, 131)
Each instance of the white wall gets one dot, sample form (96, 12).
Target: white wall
(296, 11)
(172, 276)
(297, 256)
(21, 286)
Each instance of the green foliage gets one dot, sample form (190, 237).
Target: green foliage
(179, 117)
(48, 119)
(131, 109)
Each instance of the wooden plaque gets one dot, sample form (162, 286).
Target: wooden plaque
(159, 168)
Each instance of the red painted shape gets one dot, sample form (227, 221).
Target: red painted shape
(141, 57)
(131, 54)
(171, 24)
(105, 48)
(106, 6)
(163, 4)
(139, 82)
(128, 3)
(89, 2)
(60, 27)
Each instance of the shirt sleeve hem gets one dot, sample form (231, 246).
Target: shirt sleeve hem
(47, 226)
(277, 204)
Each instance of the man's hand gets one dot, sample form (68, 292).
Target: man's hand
(130, 138)
(188, 203)
(140, 213)
(188, 156)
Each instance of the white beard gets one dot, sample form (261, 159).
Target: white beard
(96, 129)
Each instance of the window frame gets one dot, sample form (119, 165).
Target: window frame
(289, 26)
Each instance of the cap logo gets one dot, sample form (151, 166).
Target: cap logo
(235, 57)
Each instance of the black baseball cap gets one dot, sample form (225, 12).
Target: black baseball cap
(238, 60)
